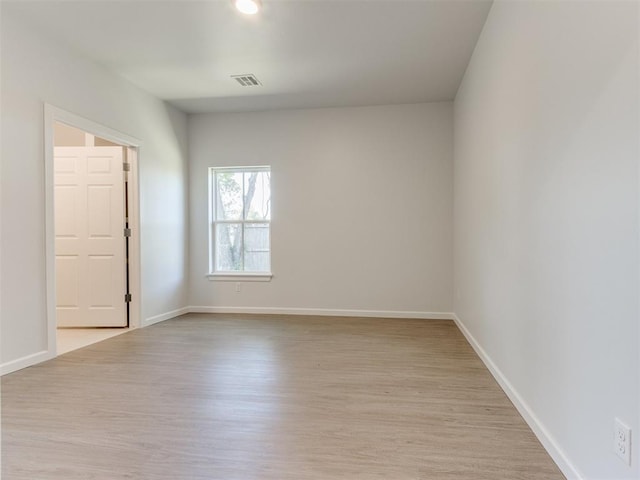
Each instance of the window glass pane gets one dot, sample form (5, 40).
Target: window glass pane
(228, 247)
(242, 211)
(256, 247)
(257, 195)
(228, 196)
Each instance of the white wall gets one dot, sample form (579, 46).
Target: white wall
(546, 218)
(362, 206)
(36, 70)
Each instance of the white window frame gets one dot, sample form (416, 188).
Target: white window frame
(230, 275)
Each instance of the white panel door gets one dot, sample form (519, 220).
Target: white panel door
(90, 243)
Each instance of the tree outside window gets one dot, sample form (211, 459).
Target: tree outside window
(240, 219)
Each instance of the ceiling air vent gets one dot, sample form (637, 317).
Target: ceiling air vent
(247, 80)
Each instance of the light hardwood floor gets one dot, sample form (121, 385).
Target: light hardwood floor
(268, 398)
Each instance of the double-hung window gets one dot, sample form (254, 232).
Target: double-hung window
(240, 217)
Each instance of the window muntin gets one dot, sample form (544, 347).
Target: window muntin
(240, 214)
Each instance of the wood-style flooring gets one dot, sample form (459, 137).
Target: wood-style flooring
(207, 397)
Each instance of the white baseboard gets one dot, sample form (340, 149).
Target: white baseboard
(25, 362)
(165, 316)
(548, 441)
(324, 312)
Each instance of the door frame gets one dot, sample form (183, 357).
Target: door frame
(52, 115)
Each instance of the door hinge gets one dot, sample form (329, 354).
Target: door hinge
(126, 167)
(127, 232)
(127, 297)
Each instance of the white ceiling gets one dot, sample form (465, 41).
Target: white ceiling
(306, 53)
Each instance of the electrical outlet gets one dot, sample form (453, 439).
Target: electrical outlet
(238, 286)
(622, 441)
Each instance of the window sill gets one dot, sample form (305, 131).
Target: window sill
(242, 276)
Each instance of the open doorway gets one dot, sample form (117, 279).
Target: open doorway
(91, 241)
(92, 252)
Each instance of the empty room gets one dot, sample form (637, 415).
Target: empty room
(320, 239)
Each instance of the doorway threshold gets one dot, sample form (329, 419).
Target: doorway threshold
(70, 339)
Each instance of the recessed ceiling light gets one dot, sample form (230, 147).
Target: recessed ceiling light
(248, 7)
